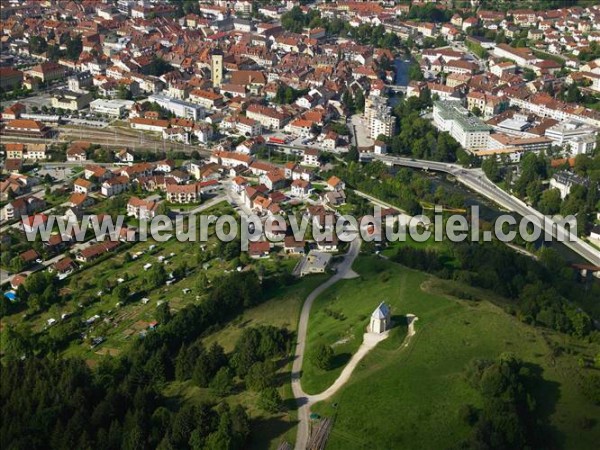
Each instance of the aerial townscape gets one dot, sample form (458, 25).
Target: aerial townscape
(159, 158)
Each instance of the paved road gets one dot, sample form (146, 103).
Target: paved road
(476, 180)
(344, 270)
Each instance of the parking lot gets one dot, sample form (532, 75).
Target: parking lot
(58, 173)
(39, 100)
(360, 132)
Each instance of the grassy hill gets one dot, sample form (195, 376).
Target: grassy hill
(410, 397)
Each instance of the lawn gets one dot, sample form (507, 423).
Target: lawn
(409, 397)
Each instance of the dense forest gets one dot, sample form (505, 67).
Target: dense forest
(50, 402)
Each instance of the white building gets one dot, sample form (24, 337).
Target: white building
(380, 319)
(564, 181)
(574, 136)
(178, 107)
(114, 108)
(468, 130)
(248, 127)
(380, 120)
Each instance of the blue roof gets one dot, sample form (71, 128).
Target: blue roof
(11, 295)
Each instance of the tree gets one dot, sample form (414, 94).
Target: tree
(261, 376)
(549, 202)
(74, 47)
(347, 101)
(222, 383)
(121, 293)
(201, 282)
(476, 111)
(270, 400)
(359, 101)
(16, 343)
(491, 169)
(322, 357)
(163, 313)
(37, 45)
(123, 93)
(352, 155)
(534, 190)
(415, 73)
(156, 276)
(528, 74)
(573, 95)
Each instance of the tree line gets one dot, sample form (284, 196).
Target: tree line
(539, 292)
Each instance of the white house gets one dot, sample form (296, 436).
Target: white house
(311, 157)
(82, 186)
(125, 156)
(301, 188)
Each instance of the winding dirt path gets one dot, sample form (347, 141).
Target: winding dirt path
(370, 340)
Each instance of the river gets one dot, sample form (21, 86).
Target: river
(489, 212)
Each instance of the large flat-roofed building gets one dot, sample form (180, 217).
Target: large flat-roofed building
(468, 130)
(114, 108)
(574, 136)
(179, 107)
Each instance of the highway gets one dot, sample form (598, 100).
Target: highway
(476, 180)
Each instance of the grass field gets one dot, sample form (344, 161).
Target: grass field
(409, 397)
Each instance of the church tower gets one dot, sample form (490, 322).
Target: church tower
(216, 68)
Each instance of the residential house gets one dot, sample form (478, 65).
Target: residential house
(125, 156)
(141, 208)
(301, 188)
(187, 193)
(77, 151)
(114, 186)
(259, 249)
(82, 186)
(311, 157)
(335, 184)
